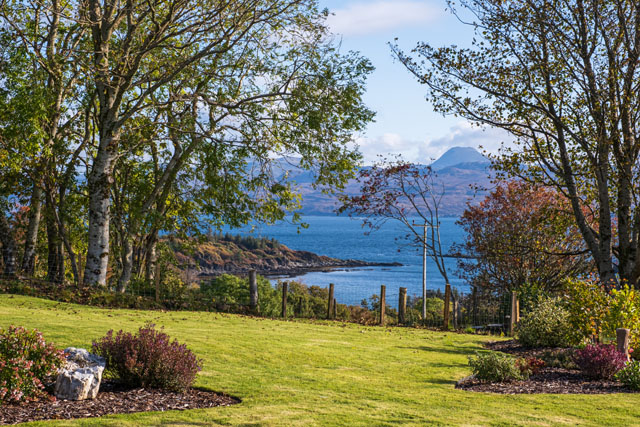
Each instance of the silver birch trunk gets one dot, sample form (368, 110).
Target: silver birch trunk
(152, 257)
(31, 238)
(127, 264)
(100, 181)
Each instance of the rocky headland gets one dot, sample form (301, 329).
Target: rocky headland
(238, 255)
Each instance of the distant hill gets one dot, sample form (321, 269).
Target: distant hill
(459, 156)
(461, 170)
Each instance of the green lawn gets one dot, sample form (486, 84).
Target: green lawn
(298, 373)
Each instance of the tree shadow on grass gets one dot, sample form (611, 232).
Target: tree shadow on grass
(466, 350)
(445, 365)
(442, 381)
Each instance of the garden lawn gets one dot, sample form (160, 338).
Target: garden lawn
(319, 373)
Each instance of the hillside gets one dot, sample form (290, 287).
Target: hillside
(459, 156)
(238, 255)
(461, 170)
(301, 373)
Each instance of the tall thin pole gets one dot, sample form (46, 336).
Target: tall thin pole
(424, 276)
(424, 226)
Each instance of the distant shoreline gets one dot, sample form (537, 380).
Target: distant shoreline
(301, 271)
(234, 254)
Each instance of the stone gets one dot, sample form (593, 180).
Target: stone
(81, 375)
(465, 379)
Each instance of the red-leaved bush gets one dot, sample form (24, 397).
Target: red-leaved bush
(600, 361)
(26, 360)
(529, 365)
(148, 359)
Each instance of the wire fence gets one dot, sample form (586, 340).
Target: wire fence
(476, 311)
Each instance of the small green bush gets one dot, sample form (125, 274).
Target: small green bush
(495, 367)
(630, 375)
(547, 325)
(559, 358)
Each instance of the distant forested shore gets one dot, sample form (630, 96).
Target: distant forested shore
(236, 254)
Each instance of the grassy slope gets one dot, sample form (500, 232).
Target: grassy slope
(294, 373)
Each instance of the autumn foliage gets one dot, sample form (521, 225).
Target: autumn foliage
(521, 236)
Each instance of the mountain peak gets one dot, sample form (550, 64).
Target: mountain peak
(458, 155)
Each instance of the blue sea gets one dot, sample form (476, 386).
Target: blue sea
(345, 238)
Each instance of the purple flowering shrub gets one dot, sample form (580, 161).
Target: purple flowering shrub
(600, 361)
(148, 359)
(26, 360)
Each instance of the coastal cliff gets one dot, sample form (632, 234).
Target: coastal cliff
(238, 255)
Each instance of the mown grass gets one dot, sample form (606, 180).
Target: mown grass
(304, 373)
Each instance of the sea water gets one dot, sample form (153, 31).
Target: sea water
(346, 238)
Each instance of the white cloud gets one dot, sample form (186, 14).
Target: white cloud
(369, 18)
(386, 145)
(461, 135)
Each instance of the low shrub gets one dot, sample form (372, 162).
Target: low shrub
(529, 366)
(148, 359)
(26, 361)
(559, 358)
(547, 325)
(630, 375)
(495, 367)
(623, 312)
(588, 305)
(601, 361)
(362, 315)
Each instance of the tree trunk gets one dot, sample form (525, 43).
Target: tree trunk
(8, 241)
(151, 258)
(55, 259)
(127, 264)
(31, 238)
(100, 181)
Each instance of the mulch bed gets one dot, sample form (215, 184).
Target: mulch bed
(113, 399)
(552, 380)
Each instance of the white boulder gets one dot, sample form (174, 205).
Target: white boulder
(81, 375)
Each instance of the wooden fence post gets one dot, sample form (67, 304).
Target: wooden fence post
(402, 306)
(515, 313)
(335, 309)
(253, 291)
(331, 299)
(285, 291)
(447, 301)
(622, 338)
(383, 303)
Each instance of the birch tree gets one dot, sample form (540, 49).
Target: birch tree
(147, 54)
(43, 114)
(561, 77)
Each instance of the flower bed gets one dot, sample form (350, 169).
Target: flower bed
(113, 399)
(558, 376)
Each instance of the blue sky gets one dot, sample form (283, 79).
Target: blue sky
(406, 123)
